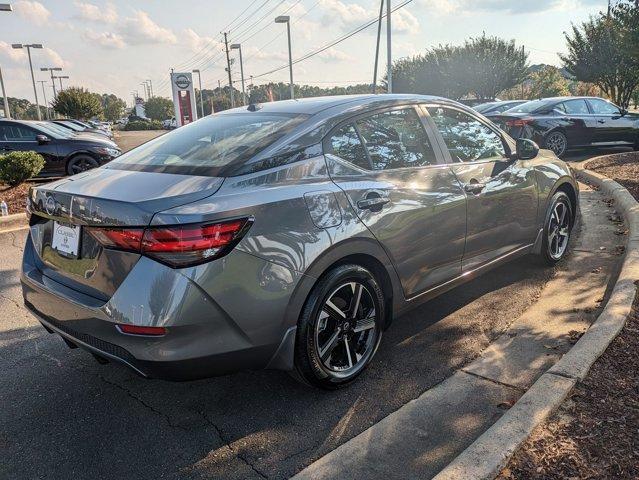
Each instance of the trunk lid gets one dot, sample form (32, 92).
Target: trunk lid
(104, 197)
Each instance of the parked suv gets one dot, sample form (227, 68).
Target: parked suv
(65, 152)
(287, 235)
(564, 123)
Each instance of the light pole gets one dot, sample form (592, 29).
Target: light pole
(51, 70)
(60, 78)
(5, 7)
(199, 79)
(237, 46)
(143, 84)
(287, 20)
(150, 87)
(389, 52)
(46, 103)
(35, 90)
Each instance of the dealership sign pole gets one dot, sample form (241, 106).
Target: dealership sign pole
(183, 98)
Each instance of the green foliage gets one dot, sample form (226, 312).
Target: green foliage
(548, 82)
(159, 108)
(143, 125)
(600, 52)
(113, 107)
(481, 67)
(17, 167)
(76, 102)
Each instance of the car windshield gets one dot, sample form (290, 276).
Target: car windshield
(531, 107)
(482, 107)
(206, 146)
(71, 125)
(53, 130)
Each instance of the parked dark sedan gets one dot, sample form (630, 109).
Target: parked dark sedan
(564, 123)
(65, 152)
(490, 109)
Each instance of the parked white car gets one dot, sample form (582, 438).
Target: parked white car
(169, 123)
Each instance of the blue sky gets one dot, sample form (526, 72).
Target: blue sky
(112, 46)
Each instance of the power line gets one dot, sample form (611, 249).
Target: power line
(247, 29)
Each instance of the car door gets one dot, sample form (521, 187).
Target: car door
(613, 126)
(17, 137)
(394, 177)
(501, 193)
(580, 124)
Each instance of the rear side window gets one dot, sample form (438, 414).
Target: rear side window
(576, 107)
(209, 145)
(15, 133)
(466, 138)
(396, 139)
(345, 143)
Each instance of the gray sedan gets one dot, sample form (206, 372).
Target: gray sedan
(287, 235)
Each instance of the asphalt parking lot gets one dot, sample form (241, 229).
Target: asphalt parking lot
(66, 416)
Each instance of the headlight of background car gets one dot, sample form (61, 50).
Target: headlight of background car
(111, 152)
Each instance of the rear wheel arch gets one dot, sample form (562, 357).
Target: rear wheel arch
(569, 190)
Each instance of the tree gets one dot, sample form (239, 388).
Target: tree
(113, 107)
(77, 102)
(159, 108)
(548, 82)
(481, 67)
(599, 52)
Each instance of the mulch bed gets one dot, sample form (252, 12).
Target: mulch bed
(16, 197)
(595, 433)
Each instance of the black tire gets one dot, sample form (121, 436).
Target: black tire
(553, 248)
(317, 328)
(557, 142)
(81, 163)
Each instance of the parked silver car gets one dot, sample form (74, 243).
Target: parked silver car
(286, 235)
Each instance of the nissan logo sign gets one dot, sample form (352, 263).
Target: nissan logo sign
(49, 206)
(182, 81)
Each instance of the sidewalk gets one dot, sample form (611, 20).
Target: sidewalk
(422, 437)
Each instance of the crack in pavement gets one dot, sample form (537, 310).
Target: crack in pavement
(227, 444)
(9, 299)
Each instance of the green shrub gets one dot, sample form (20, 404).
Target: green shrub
(16, 167)
(143, 125)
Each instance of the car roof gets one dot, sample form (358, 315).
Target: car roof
(314, 105)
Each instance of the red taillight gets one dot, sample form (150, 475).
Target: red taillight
(519, 122)
(141, 330)
(179, 245)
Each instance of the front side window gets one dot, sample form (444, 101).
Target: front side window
(396, 139)
(16, 133)
(209, 145)
(466, 138)
(602, 107)
(345, 143)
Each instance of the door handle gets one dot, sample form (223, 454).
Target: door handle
(372, 203)
(474, 187)
(601, 121)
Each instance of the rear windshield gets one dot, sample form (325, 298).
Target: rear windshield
(531, 107)
(207, 146)
(482, 107)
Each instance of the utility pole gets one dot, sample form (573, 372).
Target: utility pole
(389, 51)
(228, 69)
(46, 103)
(150, 88)
(379, 34)
(199, 77)
(237, 46)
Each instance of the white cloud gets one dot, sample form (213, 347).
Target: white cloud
(141, 30)
(95, 13)
(351, 15)
(105, 39)
(11, 54)
(196, 42)
(467, 7)
(39, 56)
(267, 54)
(334, 55)
(32, 11)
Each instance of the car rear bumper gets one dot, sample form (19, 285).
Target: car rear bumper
(203, 337)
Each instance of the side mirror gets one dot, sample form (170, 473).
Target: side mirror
(526, 149)
(42, 139)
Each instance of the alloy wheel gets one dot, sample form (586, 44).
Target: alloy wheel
(82, 164)
(346, 330)
(557, 143)
(558, 231)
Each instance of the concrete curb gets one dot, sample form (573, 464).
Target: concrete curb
(13, 222)
(485, 457)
